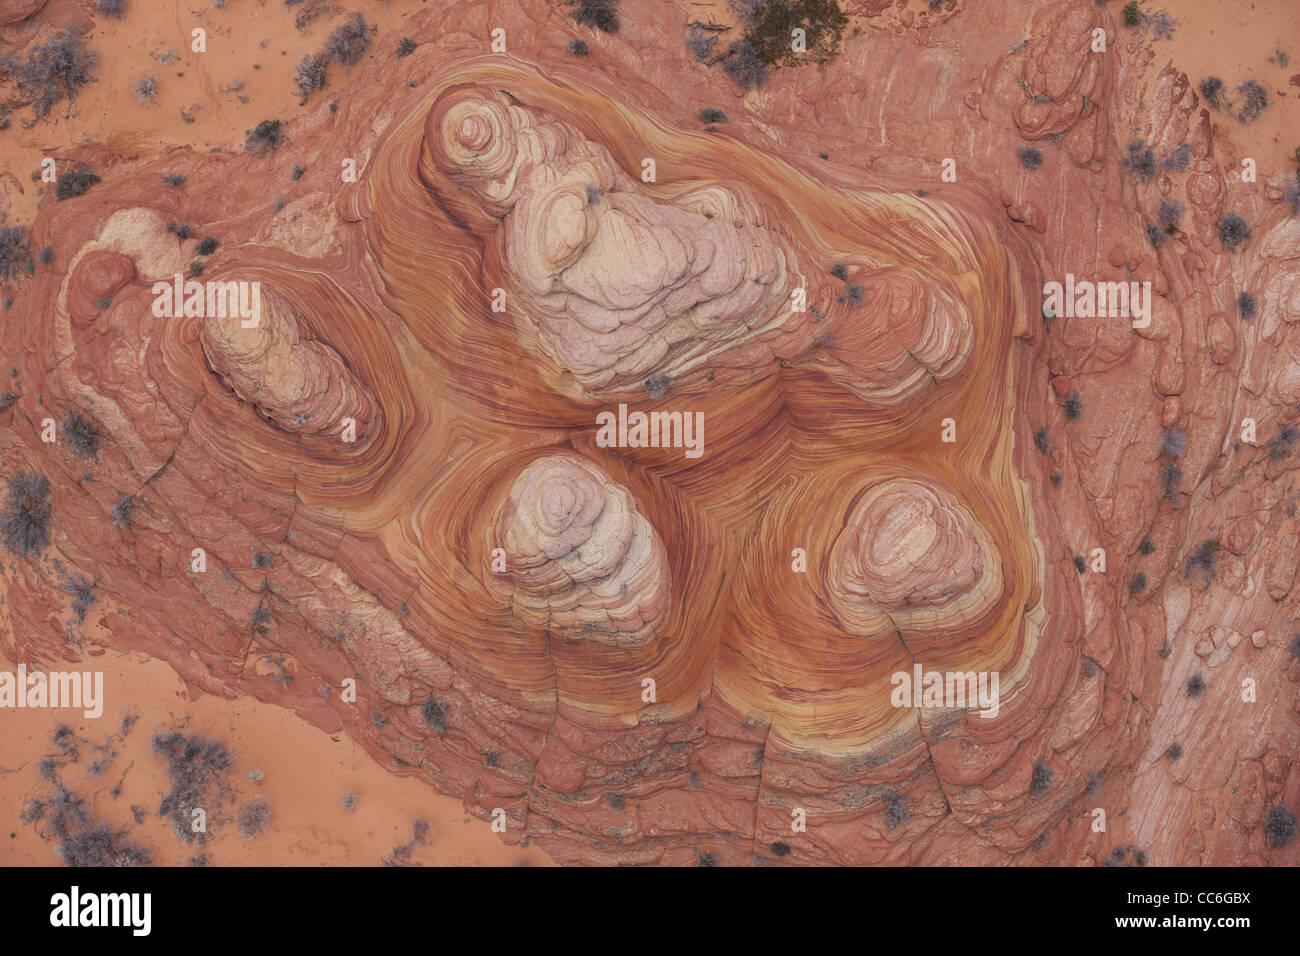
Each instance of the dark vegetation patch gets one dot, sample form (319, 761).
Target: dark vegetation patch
(769, 25)
(53, 71)
(1030, 158)
(310, 74)
(74, 182)
(1280, 827)
(348, 42)
(83, 594)
(1233, 230)
(1204, 559)
(264, 138)
(199, 770)
(434, 713)
(1139, 162)
(1041, 780)
(253, 818)
(599, 14)
(15, 253)
(1283, 443)
(25, 521)
(82, 434)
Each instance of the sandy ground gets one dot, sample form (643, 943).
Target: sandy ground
(305, 775)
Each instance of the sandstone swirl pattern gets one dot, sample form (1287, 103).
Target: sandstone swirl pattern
(626, 290)
(525, 688)
(584, 563)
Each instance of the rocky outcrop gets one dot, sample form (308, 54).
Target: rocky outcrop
(643, 657)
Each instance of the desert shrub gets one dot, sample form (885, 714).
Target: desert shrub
(1140, 161)
(1030, 158)
(1173, 443)
(82, 590)
(98, 844)
(310, 73)
(601, 14)
(122, 511)
(1171, 476)
(1204, 559)
(1246, 305)
(1132, 16)
(254, 817)
(1178, 160)
(45, 256)
(266, 137)
(175, 180)
(348, 42)
(1175, 751)
(1155, 235)
(1041, 780)
(896, 814)
(1041, 441)
(1233, 230)
(113, 9)
(744, 65)
(1171, 212)
(840, 271)
(700, 41)
(25, 521)
(577, 47)
(1137, 584)
(1291, 197)
(82, 434)
(310, 10)
(780, 849)
(53, 71)
(768, 25)
(1195, 685)
(198, 769)
(296, 173)
(1280, 827)
(1283, 443)
(1211, 89)
(1147, 546)
(207, 245)
(15, 253)
(1073, 406)
(434, 713)
(74, 182)
(711, 114)
(1254, 99)
(1080, 564)
(145, 87)
(349, 801)
(405, 47)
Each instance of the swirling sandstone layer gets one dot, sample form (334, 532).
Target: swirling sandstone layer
(643, 657)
